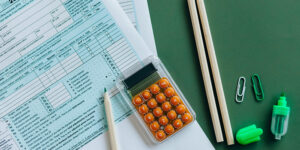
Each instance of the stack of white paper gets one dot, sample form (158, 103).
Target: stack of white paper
(56, 57)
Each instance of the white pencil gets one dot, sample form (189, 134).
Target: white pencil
(215, 72)
(110, 121)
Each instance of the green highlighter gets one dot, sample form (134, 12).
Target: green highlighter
(249, 135)
(280, 117)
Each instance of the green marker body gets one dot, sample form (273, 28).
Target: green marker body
(280, 118)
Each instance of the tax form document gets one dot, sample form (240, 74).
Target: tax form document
(138, 13)
(56, 57)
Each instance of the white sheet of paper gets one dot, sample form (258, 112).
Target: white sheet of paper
(144, 25)
(138, 13)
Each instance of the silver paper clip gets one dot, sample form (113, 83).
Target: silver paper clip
(240, 93)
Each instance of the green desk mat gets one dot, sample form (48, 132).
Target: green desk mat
(250, 37)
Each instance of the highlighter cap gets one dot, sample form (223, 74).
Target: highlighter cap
(249, 135)
(281, 107)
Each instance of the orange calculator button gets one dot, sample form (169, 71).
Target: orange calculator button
(186, 117)
(166, 106)
(157, 112)
(154, 126)
(169, 129)
(152, 103)
(163, 83)
(146, 94)
(163, 120)
(175, 100)
(169, 92)
(180, 109)
(160, 135)
(154, 88)
(177, 123)
(172, 115)
(160, 97)
(143, 109)
(137, 100)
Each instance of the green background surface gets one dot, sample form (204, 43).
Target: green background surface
(250, 36)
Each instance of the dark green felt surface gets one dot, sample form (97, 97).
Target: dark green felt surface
(250, 36)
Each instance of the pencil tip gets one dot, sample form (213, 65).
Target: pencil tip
(104, 90)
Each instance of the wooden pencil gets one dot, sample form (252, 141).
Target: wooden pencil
(205, 71)
(110, 121)
(215, 72)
